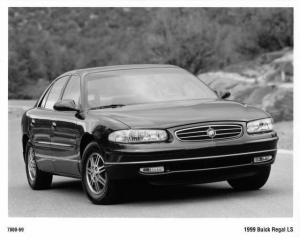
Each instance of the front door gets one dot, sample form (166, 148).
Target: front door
(67, 132)
(65, 141)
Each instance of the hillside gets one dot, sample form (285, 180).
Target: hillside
(266, 82)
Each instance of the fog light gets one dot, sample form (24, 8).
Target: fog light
(152, 170)
(260, 159)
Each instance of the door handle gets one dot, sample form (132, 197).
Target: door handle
(54, 124)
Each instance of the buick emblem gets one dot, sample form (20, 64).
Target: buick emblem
(211, 133)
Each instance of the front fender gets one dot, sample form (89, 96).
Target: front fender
(101, 126)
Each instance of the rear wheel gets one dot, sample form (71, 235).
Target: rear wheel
(36, 178)
(252, 182)
(96, 183)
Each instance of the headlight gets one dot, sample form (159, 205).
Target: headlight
(138, 136)
(259, 126)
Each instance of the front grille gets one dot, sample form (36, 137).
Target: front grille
(210, 132)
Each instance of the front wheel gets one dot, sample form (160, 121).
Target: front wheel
(253, 182)
(96, 183)
(36, 178)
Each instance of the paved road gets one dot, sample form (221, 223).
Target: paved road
(66, 198)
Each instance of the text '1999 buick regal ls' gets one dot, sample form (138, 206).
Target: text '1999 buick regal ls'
(153, 123)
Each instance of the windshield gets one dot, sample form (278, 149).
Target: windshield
(127, 87)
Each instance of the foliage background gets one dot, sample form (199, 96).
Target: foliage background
(45, 42)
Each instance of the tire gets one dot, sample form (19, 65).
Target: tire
(36, 178)
(95, 181)
(254, 182)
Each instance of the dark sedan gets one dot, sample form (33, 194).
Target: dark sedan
(153, 123)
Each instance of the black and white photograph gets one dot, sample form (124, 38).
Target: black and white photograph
(151, 112)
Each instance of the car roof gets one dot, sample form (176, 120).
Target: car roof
(119, 67)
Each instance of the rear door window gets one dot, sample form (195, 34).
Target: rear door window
(72, 90)
(43, 102)
(55, 92)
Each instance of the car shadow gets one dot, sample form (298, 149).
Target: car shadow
(69, 186)
(175, 193)
(144, 193)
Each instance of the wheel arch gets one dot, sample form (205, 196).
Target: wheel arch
(85, 140)
(25, 139)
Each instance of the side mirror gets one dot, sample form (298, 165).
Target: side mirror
(65, 105)
(224, 94)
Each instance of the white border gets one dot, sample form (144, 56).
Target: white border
(152, 3)
(200, 227)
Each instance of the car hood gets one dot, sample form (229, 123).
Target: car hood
(171, 114)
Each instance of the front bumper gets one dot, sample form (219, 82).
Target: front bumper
(196, 165)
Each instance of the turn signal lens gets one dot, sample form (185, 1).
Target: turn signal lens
(152, 170)
(262, 159)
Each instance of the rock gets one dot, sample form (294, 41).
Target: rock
(255, 98)
(223, 80)
(242, 91)
(265, 82)
(271, 56)
(279, 104)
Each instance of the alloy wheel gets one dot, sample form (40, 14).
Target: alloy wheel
(96, 173)
(31, 165)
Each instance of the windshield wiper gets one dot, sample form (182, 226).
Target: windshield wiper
(108, 106)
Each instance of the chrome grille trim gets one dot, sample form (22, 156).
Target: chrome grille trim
(199, 133)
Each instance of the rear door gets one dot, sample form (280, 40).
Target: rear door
(40, 131)
(41, 128)
(67, 133)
